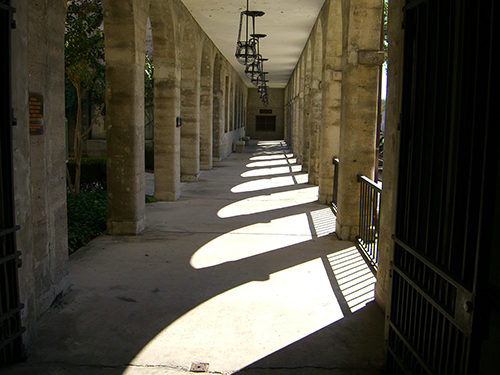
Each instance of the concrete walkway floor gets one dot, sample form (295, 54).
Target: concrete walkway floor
(242, 273)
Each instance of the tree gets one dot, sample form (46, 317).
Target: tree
(84, 66)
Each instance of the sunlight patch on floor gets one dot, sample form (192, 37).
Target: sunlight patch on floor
(355, 279)
(264, 203)
(253, 240)
(324, 221)
(271, 163)
(272, 171)
(271, 157)
(270, 183)
(255, 320)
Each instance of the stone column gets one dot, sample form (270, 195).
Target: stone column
(125, 30)
(315, 120)
(206, 127)
(361, 61)
(332, 95)
(190, 106)
(206, 107)
(330, 133)
(167, 140)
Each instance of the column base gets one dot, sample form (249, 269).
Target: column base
(126, 228)
(189, 178)
(167, 196)
(345, 232)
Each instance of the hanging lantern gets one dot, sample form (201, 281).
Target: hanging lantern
(246, 49)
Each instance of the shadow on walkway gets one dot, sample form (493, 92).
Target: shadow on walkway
(242, 273)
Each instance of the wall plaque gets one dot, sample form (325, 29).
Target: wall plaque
(266, 111)
(36, 113)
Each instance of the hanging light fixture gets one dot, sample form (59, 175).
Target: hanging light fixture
(248, 53)
(255, 69)
(246, 50)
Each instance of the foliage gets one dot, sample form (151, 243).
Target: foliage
(150, 199)
(84, 66)
(148, 90)
(385, 40)
(87, 217)
(93, 173)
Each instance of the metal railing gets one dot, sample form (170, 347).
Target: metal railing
(335, 162)
(369, 219)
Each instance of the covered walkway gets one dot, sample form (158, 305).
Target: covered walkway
(242, 273)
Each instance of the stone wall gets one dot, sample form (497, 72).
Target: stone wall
(275, 107)
(39, 160)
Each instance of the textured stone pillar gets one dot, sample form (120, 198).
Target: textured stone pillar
(167, 141)
(315, 120)
(125, 30)
(330, 133)
(361, 61)
(218, 114)
(332, 95)
(206, 109)
(190, 106)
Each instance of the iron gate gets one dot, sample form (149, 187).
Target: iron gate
(442, 189)
(11, 346)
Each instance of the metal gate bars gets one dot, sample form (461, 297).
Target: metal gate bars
(11, 345)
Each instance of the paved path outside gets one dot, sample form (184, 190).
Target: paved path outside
(242, 273)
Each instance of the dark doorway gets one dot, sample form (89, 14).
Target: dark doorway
(11, 346)
(443, 296)
(265, 123)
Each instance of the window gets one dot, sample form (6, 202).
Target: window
(265, 123)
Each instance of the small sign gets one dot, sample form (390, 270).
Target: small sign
(36, 113)
(266, 111)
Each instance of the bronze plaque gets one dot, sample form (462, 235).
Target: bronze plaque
(36, 113)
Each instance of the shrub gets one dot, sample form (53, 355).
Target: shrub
(93, 175)
(87, 217)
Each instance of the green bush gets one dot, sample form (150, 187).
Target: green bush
(149, 157)
(93, 176)
(87, 217)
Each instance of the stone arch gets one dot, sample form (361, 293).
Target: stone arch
(125, 28)
(190, 102)
(316, 104)
(217, 114)
(206, 106)
(167, 102)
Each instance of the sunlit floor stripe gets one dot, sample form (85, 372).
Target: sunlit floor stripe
(324, 221)
(264, 203)
(355, 279)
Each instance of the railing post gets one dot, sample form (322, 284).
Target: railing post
(335, 163)
(369, 219)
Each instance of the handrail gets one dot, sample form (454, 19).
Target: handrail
(369, 219)
(366, 180)
(336, 163)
